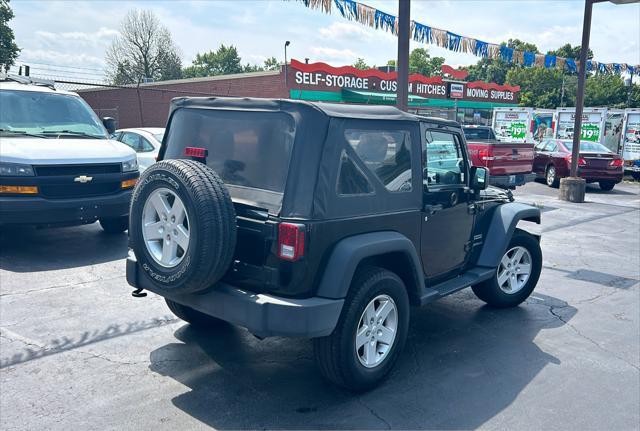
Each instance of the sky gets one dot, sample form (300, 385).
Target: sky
(69, 38)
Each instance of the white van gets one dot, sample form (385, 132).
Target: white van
(57, 163)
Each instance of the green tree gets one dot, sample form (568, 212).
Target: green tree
(361, 64)
(568, 51)
(271, 63)
(539, 87)
(8, 49)
(605, 90)
(143, 49)
(421, 62)
(495, 70)
(224, 61)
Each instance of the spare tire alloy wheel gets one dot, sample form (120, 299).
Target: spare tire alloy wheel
(376, 331)
(165, 227)
(182, 226)
(514, 270)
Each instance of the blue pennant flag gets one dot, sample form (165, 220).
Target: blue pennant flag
(549, 61)
(631, 69)
(454, 41)
(506, 53)
(528, 58)
(616, 67)
(422, 33)
(481, 49)
(589, 66)
(385, 21)
(347, 8)
(571, 65)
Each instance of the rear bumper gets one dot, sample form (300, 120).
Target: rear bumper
(509, 181)
(601, 175)
(41, 211)
(263, 315)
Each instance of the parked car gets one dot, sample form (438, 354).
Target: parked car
(510, 164)
(57, 165)
(596, 163)
(145, 141)
(322, 221)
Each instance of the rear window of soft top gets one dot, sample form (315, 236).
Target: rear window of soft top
(247, 149)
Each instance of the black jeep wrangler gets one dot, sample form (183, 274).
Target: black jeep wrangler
(322, 221)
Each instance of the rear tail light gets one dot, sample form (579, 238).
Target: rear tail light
(198, 153)
(533, 125)
(291, 241)
(485, 154)
(581, 160)
(617, 163)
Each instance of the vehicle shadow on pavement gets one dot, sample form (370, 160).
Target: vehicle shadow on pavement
(26, 249)
(463, 364)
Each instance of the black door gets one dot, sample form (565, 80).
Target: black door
(447, 221)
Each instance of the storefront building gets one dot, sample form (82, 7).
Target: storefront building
(449, 97)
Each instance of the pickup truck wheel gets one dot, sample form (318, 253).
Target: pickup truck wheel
(607, 185)
(183, 226)
(516, 275)
(194, 317)
(551, 177)
(370, 334)
(115, 225)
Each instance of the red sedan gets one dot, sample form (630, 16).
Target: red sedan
(596, 163)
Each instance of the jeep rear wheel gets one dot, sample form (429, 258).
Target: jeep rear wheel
(182, 226)
(370, 334)
(516, 275)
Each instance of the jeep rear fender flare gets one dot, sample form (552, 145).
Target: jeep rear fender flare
(350, 252)
(503, 225)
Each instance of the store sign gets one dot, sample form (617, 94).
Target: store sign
(589, 131)
(511, 126)
(456, 91)
(323, 77)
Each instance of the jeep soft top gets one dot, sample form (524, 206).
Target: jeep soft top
(323, 221)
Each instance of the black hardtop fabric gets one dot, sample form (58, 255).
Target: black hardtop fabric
(308, 188)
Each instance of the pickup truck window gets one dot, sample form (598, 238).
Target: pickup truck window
(444, 159)
(48, 115)
(386, 153)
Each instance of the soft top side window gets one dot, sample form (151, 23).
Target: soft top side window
(384, 153)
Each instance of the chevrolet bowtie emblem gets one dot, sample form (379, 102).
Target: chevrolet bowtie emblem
(82, 179)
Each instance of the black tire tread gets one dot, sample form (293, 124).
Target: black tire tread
(212, 203)
(489, 291)
(327, 349)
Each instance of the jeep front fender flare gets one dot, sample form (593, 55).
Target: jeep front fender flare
(503, 224)
(349, 252)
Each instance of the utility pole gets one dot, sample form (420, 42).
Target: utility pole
(573, 188)
(404, 13)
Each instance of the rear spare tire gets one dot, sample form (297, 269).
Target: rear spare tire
(182, 226)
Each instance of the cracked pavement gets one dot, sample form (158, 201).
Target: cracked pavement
(77, 351)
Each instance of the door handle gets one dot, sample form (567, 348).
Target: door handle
(432, 209)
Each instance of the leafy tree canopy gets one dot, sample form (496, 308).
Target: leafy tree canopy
(8, 49)
(361, 64)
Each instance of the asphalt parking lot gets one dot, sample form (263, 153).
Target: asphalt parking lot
(78, 352)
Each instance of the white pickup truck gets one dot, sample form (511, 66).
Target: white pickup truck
(58, 166)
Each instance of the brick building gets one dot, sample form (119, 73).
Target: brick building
(147, 105)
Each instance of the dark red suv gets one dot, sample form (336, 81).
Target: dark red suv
(596, 163)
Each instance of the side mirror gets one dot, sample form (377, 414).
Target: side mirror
(479, 178)
(109, 124)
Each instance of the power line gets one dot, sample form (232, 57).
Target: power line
(62, 65)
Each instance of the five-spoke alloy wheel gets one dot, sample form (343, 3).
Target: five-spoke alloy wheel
(376, 330)
(165, 227)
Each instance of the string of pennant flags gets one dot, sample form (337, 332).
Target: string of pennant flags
(371, 17)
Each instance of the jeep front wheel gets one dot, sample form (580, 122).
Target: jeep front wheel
(370, 334)
(517, 273)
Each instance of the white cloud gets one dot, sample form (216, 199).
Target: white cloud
(324, 52)
(340, 30)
